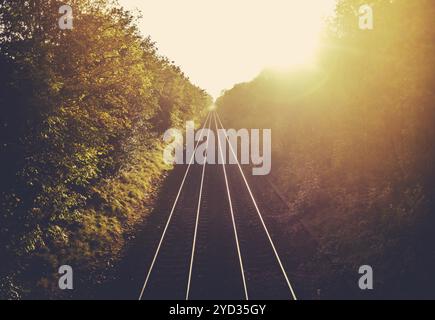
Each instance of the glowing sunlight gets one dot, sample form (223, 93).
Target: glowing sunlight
(220, 43)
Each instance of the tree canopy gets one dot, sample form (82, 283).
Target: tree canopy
(79, 109)
(353, 140)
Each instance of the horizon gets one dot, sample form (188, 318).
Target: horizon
(202, 52)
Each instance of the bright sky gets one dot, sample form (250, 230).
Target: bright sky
(219, 43)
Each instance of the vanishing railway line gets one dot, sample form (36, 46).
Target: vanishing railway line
(215, 243)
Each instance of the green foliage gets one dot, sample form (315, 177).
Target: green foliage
(353, 141)
(82, 112)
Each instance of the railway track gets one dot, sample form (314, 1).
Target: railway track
(215, 243)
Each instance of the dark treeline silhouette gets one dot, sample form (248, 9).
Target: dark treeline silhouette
(354, 143)
(82, 116)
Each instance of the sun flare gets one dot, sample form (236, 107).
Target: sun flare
(294, 33)
(220, 43)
